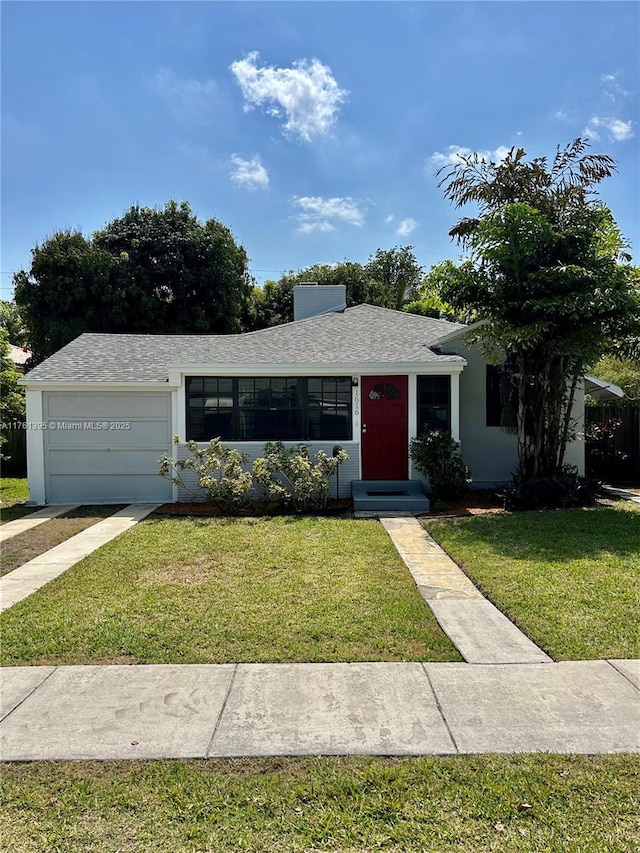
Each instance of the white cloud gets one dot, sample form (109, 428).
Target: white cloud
(560, 115)
(611, 88)
(455, 153)
(323, 214)
(190, 98)
(249, 173)
(306, 94)
(389, 218)
(406, 227)
(616, 129)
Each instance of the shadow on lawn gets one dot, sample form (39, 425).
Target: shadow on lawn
(553, 535)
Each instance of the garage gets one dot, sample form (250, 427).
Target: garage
(104, 448)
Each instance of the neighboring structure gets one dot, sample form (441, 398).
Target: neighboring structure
(104, 408)
(603, 391)
(19, 356)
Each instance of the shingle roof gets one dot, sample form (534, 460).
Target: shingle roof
(362, 335)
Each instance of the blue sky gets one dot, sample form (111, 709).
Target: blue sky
(311, 129)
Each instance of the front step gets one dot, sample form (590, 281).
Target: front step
(388, 496)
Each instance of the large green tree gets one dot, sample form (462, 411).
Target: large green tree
(390, 278)
(624, 372)
(273, 303)
(12, 322)
(549, 275)
(395, 277)
(429, 301)
(12, 396)
(149, 271)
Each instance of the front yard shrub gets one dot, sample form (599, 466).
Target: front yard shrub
(284, 476)
(438, 456)
(568, 490)
(219, 471)
(293, 478)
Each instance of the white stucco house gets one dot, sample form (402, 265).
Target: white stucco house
(103, 409)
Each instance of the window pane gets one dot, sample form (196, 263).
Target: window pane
(434, 408)
(269, 408)
(493, 395)
(384, 391)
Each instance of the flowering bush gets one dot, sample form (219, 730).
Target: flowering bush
(219, 471)
(290, 476)
(286, 476)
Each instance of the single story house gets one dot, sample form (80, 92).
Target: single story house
(103, 409)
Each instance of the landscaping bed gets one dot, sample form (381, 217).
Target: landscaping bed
(207, 590)
(529, 803)
(32, 543)
(570, 579)
(473, 502)
(207, 509)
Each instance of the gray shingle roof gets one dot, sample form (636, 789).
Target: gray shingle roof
(360, 336)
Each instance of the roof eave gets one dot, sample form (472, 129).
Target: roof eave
(455, 334)
(452, 364)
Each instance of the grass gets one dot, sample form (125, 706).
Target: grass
(569, 579)
(24, 547)
(344, 805)
(230, 590)
(13, 493)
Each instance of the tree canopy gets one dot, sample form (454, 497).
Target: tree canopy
(549, 274)
(149, 271)
(388, 279)
(12, 322)
(624, 372)
(12, 396)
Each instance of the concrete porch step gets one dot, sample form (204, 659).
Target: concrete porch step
(389, 495)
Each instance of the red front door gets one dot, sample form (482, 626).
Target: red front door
(385, 426)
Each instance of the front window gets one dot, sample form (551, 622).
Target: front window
(269, 408)
(434, 403)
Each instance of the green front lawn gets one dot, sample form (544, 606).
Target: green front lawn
(529, 804)
(569, 579)
(210, 590)
(13, 493)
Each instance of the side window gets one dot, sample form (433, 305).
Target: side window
(493, 395)
(434, 403)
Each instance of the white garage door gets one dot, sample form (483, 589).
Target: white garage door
(102, 448)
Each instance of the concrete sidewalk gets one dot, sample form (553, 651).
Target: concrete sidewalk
(480, 632)
(200, 711)
(22, 582)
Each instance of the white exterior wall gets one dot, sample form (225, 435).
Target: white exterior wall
(576, 448)
(490, 453)
(35, 447)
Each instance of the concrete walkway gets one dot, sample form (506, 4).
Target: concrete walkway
(25, 580)
(19, 525)
(201, 711)
(621, 493)
(510, 704)
(480, 632)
